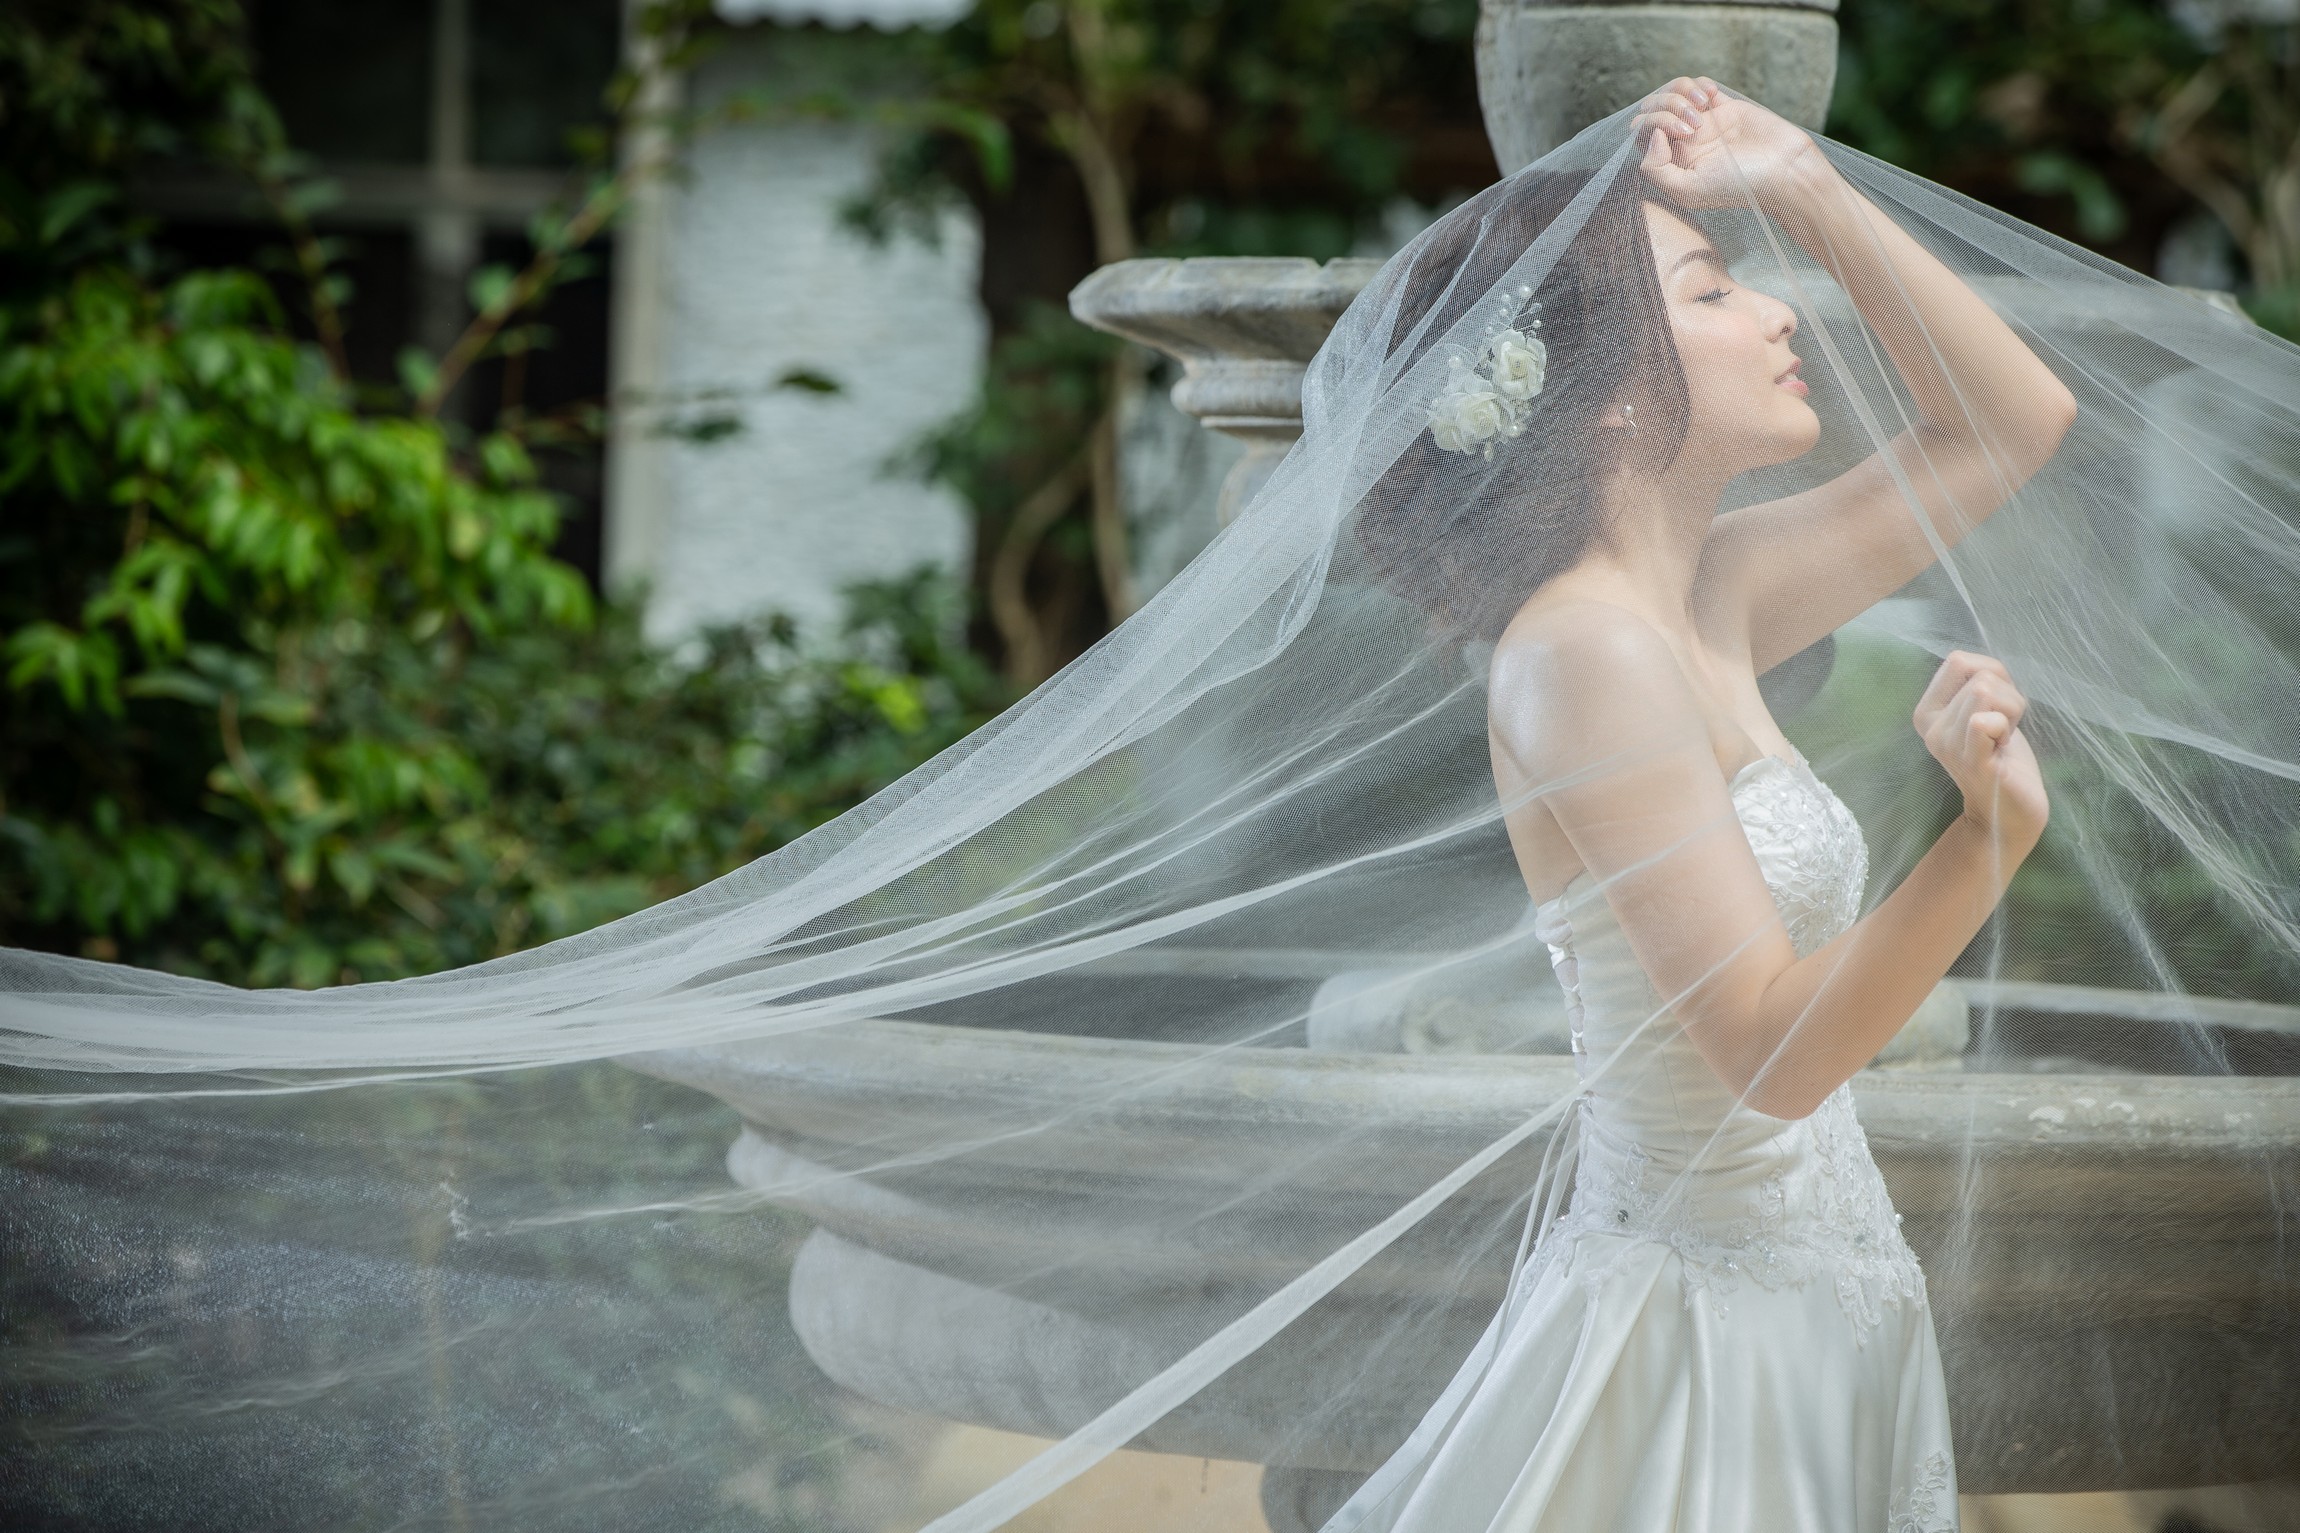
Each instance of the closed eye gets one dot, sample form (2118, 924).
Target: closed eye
(1713, 295)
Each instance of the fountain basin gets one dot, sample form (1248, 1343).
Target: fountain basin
(1243, 327)
(2117, 1223)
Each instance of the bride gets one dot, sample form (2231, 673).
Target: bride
(1726, 1330)
(1473, 684)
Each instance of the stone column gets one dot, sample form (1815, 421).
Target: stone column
(1547, 70)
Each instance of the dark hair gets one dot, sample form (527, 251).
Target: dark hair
(1468, 538)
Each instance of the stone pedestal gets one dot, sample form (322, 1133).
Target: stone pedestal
(1546, 71)
(1243, 328)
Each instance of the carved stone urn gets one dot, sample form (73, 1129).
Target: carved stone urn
(1245, 327)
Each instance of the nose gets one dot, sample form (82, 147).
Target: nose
(1780, 320)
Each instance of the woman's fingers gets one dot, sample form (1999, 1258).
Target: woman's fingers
(1954, 671)
(2006, 698)
(1978, 662)
(1671, 128)
(1668, 153)
(1986, 698)
(1970, 714)
(1985, 690)
(1677, 101)
(1957, 669)
(1673, 116)
(1970, 720)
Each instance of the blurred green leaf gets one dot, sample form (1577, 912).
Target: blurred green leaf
(418, 370)
(65, 207)
(490, 286)
(807, 380)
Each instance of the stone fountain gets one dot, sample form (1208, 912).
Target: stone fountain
(2130, 1224)
(2127, 1211)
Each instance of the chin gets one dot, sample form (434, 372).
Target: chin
(1796, 436)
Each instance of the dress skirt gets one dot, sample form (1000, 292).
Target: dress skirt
(1624, 1398)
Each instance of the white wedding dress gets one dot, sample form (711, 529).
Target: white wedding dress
(1725, 1332)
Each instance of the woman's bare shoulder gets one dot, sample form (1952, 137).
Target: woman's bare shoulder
(1580, 677)
(1576, 640)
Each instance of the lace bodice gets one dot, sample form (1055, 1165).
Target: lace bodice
(1808, 846)
(1665, 1151)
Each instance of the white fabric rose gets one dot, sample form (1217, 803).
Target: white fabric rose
(1518, 363)
(1468, 414)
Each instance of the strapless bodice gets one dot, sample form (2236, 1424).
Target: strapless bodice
(1815, 864)
(1666, 1152)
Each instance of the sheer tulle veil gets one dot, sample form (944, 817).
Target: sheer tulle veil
(1177, 1062)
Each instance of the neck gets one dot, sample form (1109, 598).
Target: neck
(1656, 531)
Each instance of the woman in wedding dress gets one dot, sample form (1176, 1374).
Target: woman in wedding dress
(1726, 1330)
(1470, 686)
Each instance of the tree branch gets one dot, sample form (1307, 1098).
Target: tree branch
(1027, 660)
(532, 282)
(1113, 559)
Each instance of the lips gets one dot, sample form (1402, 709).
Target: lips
(1789, 380)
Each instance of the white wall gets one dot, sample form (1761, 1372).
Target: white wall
(740, 272)
(757, 279)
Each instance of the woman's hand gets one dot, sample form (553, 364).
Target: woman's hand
(1969, 718)
(1700, 143)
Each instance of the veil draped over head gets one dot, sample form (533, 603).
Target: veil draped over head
(1178, 1063)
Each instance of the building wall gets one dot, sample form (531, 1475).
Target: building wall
(766, 497)
(728, 496)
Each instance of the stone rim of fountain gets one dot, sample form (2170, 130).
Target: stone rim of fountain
(1243, 327)
(2071, 1167)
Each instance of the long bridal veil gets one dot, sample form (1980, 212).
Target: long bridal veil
(1175, 1063)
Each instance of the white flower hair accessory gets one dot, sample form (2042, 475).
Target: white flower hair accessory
(1490, 399)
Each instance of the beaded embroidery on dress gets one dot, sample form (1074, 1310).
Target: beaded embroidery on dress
(1725, 1329)
(1816, 866)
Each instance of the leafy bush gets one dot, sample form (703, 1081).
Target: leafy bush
(297, 694)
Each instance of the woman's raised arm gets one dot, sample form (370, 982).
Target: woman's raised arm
(1988, 412)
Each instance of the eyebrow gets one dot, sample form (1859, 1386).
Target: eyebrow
(1703, 254)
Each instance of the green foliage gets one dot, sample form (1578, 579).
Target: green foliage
(427, 804)
(2108, 121)
(91, 91)
(1043, 390)
(209, 477)
(296, 694)
(2029, 105)
(1243, 112)
(291, 690)
(197, 519)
